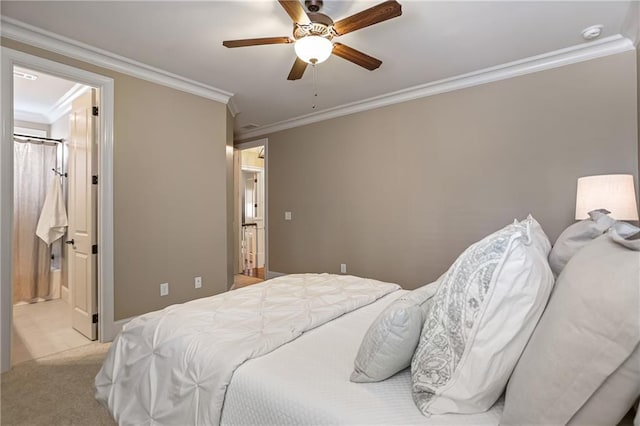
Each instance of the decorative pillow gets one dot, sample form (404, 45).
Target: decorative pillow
(624, 230)
(577, 236)
(614, 397)
(392, 338)
(483, 313)
(581, 355)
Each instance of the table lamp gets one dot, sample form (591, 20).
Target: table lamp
(615, 193)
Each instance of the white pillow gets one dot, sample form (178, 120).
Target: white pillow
(577, 236)
(482, 315)
(392, 338)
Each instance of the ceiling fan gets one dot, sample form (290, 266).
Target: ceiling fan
(313, 32)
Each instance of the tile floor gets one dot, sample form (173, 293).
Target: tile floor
(41, 329)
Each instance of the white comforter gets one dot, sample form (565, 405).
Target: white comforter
(173, 366)
(306, 383)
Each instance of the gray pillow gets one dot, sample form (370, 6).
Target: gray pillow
(582, 355)
(612, 400)
(388, 345)
(620, 231)
(577, 236)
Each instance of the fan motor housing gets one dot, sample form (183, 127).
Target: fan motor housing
(313, 5)
(321, 25)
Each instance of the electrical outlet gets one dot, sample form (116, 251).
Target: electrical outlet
(343, 268)
(198, 282)
(164, 289)
(287, 215)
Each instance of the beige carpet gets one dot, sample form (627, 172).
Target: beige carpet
(55, 390)
(58, 390)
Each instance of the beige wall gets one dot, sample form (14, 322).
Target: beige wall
(170, 191)
(398, 192)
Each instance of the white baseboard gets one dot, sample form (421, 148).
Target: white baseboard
(64, 293)
(273, 274)
(55, 284)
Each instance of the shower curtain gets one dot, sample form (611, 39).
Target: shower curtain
(31, 256)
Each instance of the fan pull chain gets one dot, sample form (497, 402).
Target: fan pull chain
(315, 86)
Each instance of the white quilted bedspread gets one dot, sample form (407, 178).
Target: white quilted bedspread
(172, 367)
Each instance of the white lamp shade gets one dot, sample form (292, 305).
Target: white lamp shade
(313, 49)
(612, 192)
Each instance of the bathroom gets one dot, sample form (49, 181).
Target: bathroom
(42, 313)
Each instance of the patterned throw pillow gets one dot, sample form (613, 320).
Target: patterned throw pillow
(483, 313)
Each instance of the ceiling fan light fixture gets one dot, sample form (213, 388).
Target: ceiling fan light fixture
(313, 49)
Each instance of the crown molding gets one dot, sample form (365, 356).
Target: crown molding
(233, 108)
(571, 55)
(34, 36)
(631, 24)
(63, 105)
(33, 117)
(60, 108)
(25, 33)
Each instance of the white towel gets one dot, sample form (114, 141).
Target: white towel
(53, 218)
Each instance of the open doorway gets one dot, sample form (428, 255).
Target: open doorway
(103, 193)
(251, 213)
(53, 125)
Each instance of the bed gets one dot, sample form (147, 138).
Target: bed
(283, 351)
(266, 390)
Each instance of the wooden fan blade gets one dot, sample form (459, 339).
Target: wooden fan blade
(296, 11)
(355, 56)
(256, 41)
(299, 66)
(373, 15)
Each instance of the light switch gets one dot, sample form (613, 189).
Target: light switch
(287, 215)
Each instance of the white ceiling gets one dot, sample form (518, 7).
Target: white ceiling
(432, 40)
(41, 100)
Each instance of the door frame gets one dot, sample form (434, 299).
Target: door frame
(10, 58)
(260, 171)
(241, 147)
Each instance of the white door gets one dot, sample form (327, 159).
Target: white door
(82, 215)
